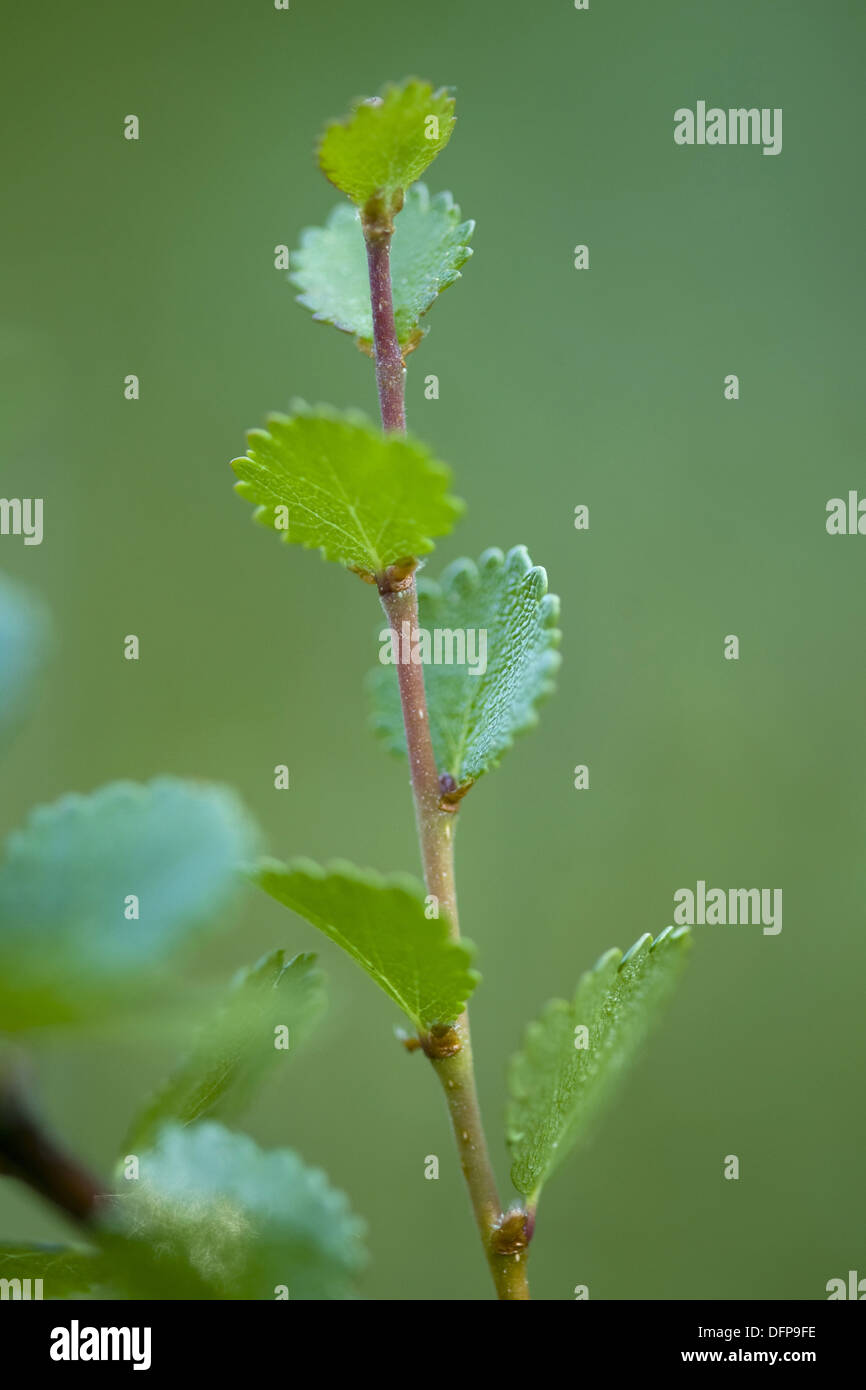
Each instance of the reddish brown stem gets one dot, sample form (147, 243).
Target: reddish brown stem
(390, 371)
(30, 1154)
(505, 1251)
(455, 1069)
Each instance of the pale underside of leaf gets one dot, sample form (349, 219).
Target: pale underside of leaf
(558, 1089)
(214, 1216)
(67, 943)
(236, 1047)
(380, 921)
(337, 484)
(428, 247)
(385, 145)
(475, 718)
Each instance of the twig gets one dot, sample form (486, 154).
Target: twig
(30, 1154)
(505, 1237)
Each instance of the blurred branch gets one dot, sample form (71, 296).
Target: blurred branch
(32, 1156)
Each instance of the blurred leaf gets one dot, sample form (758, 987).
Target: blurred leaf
(365, 499)
(66, 946)
(557, 1088)
(63, 1269)
(387, 143)
(474, 718)
(23, 640)
(428, 247)
(214, 1216)
(237, 1047)
(381, 923)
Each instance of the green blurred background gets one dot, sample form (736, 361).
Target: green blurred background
(558, 387)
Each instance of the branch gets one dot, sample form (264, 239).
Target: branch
(505, 1238)
(30, 1154)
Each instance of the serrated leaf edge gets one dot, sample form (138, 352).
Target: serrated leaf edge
(346, 212)
(462, 577)
(354, 417)
(89, 805)
(362, 103)
(643, 946)
(399, 880)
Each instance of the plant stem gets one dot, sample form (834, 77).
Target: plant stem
(390, 372)
(435, 830)
(30, 1154)
(451, 1056)
(504, 1238)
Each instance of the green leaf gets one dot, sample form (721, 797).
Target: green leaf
(237, 1047)
(383, 146)
(428, 247)
(67, 946)
(474, 718)
(214, 1216)
(64, 1270)
(23, 641)
(363, 498)
(380, 922)
(558, 1088)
